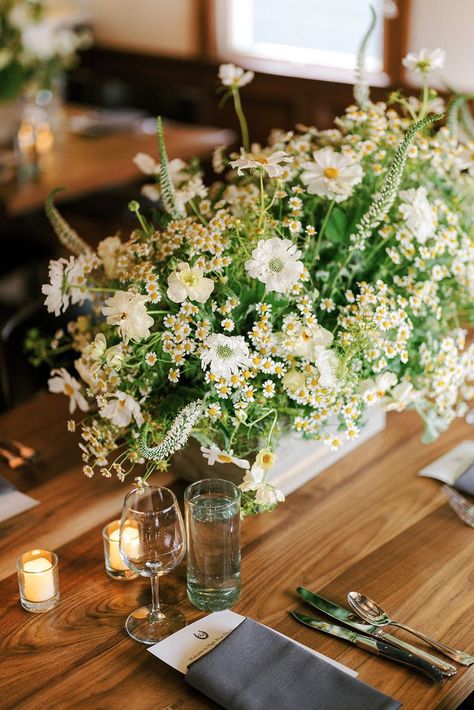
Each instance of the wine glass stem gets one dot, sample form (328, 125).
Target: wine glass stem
(155, 596)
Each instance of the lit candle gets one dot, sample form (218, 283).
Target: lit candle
(39, 580)
(129, 544)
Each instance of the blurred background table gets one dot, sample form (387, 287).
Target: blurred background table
(85, 165)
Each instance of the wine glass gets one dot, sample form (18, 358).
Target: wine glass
(156, 548)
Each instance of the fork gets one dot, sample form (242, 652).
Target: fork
(461, 506)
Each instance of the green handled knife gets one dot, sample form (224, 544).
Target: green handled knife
(350, 619)
(373, 645)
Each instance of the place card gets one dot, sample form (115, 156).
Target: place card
(451, 466)
(12, 501)
(187, 645)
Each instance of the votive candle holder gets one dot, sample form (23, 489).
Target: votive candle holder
(115, 567)
(38, 580)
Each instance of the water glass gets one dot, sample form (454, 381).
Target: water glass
(212, 509)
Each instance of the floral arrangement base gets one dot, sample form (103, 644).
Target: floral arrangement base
(298, 460)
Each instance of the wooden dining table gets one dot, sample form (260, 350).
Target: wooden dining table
(368, 523)
(86, 165)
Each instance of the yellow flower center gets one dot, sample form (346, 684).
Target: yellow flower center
(331, 173)
(69, 390)
(224, 458)
(189, 279)
(261, 159)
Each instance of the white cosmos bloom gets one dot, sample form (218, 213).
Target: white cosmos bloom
(188, 282)
(97, 348)
(309, 339)
(121, 409)
(233, 76)
(255, 481)
(127, 310)
(151, 192)
(146, 164)
(418, 214)
(331, 174)
(38, 40)
(108, 251)
(59, 292)
(327, 363)
(401, 395)
(372, 390)
(269, 163)
(213, 454)
(225, 354)
(425, 61)
(65, 384)
(88, 373)
(275, 262)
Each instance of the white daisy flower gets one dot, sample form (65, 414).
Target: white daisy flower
(127, 310)
(233, 76)
(418, 214)
(275, 263)
(225, 354)
(150, 359)
(188, 282)
(213, 454)
(425, 61)
(65, 384)
(332, 175)
(269, 163)
(121, 409)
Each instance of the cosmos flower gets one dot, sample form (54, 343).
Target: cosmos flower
(269, 163)
(332, 175)
(188, 282)
(64, 383)
(127, 310)
(213, 454)
(425, 61)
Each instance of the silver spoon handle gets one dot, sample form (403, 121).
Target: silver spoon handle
(460, 656)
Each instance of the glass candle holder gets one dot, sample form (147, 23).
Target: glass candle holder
(38, 580)
(115, 567)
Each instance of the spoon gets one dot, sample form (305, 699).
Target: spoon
(374, 614)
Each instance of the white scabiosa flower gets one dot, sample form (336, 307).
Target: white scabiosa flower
(234, 77)
(121, 409)
(271, 164)
(225, 354)
(214, 455)
(275, 262)
(127, 310)
(331, 174)
(64, 383)
(418, 214)
(425, 61)
(188, 282)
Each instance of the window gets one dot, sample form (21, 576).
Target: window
(324, 33)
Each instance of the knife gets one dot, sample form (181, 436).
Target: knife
(373, 645)
(347, 617)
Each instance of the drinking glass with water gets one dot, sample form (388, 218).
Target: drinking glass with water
(212, 508)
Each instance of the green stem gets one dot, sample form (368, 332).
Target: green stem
(425, 97)
(197, 213)
(262, 200)
(323, 229)
(270, 433)
(242, 120)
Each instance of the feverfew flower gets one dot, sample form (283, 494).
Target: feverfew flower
(213, 454)
(225, 354)
(332, 175)
(275, 262)
(419, 216)
(270, 164)
(234, 77)
(425, 61)
(127, 310)
(65, 384)
(121, 409)
(188, 282)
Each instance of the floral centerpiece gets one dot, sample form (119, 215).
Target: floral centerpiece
(323, 274)
(36, 43)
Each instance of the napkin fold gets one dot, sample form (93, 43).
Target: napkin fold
(465, 482)
(12, 501)
(255, 668)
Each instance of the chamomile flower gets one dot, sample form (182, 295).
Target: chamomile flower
(425, 60)
(331, 174)
(150, 359)
(268, 389)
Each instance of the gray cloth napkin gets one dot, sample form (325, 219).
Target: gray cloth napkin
(254, 668)
(465, 482)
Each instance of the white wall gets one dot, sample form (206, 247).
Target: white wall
(448, 24)
(151, 26)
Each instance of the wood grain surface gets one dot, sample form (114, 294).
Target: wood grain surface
(87, 165)
(367, 524)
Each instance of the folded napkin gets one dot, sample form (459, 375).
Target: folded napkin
(255, 668)
(465, 482)
(12, 501)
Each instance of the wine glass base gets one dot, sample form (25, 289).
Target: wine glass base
(150, 628)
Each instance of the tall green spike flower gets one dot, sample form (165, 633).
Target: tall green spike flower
(389, 190)
(64, 232)
(458, 104)
(361, 87)
(176, 436)
(167, 188)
